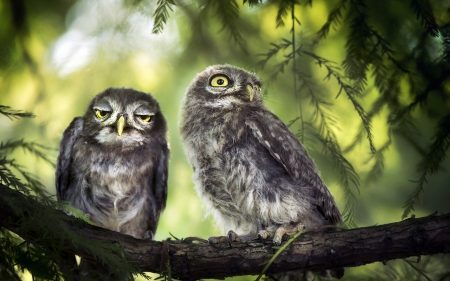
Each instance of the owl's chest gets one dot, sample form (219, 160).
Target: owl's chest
(112, 185)
(112, 173)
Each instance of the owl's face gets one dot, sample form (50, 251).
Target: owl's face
(125, 117)
(222, 86)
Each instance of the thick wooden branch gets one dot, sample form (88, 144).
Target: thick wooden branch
(195, 259)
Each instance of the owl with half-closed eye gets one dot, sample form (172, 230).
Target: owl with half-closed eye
(113, 162)
(250, 170)
(113, 166)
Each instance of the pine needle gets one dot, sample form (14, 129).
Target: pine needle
(430, 163)
(161, 14)
(334, 19)
(424, 12)
(14, 114)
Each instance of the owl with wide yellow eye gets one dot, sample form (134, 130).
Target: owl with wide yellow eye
(251, 172)
(113, 163)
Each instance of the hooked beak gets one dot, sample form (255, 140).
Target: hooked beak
(249, 90)
(120, 125)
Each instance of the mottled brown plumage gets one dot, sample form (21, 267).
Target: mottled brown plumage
(250, 170)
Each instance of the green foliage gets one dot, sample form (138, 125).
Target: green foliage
(162, 14)
(430, 163)
(228, 12)
(378, 62)
(423, 11)
(367, 49)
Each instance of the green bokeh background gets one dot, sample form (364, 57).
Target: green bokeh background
(79, 48)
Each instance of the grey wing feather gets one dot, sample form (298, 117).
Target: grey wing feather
(70, 135)
(158, 195)
(160, 186)
(282, 144)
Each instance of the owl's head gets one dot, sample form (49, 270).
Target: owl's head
(126, 117)
(223, 86)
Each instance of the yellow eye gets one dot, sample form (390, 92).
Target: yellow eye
(102, 113)
(219, 81)
(257, 88)
(144, 118)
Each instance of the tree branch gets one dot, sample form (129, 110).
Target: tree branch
(194, 258)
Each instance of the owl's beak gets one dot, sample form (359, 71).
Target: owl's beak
(120, 125)
(249, 90)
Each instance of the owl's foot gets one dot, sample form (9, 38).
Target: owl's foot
(148, 235)
(287, 228)
(265, 234)
(230, 238)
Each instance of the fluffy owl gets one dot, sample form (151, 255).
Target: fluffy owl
(250, 170)
(113, 162)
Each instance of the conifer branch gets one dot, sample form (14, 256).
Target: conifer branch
(334, 19)
(276, 48)
(422, 97)
(31, 147)
(228, 12)
(348, 179)
(14, 114)
(436, 154)
(283, 9)
(161, 14)
(446, 43)
(351, 93)
(423, 11)
(378, 167)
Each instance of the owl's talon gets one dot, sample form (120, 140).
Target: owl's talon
(288, 229)
(211, 242)
(232, 237)
(261, 238)
(148, 235)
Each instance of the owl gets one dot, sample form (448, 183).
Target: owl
(249, 169)
(113, 162)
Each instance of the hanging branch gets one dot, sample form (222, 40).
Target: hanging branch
(228, 12)
(423, 11)
(347, 177)
(430, 162)
(161, 14)
(294, 73)
(334, 19)
(351, 93)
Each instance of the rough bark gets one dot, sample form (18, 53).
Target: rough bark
(193, 258)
